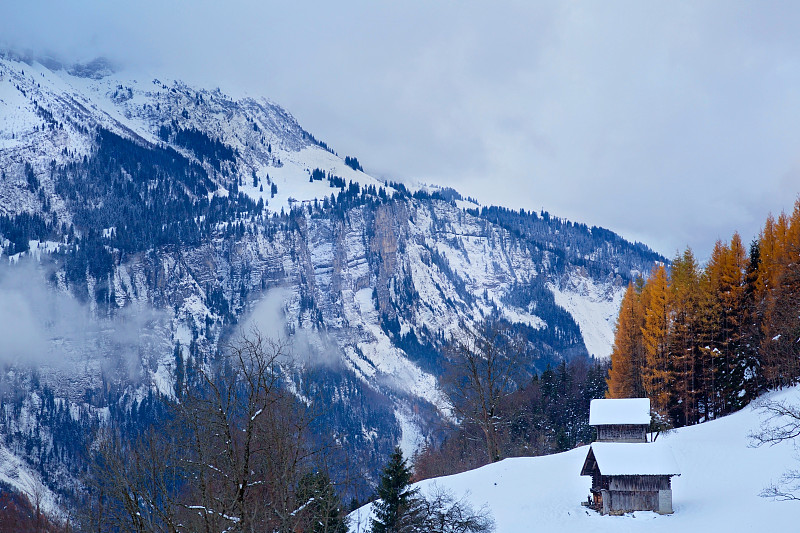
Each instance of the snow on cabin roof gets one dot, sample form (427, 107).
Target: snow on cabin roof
(619, 411)
(630, 459)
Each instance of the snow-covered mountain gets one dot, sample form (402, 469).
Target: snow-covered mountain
(721, 477)
(167, 218)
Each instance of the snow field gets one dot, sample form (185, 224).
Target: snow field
(717, 490)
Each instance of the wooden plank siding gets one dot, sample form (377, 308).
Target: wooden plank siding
(618, 494)
(622, 433)
(643, 483)
(627, 501)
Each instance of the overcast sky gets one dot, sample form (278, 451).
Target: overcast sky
(672, 123)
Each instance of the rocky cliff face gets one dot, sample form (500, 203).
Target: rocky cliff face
(205, 216)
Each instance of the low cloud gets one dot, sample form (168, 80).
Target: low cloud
(35, 320)
(268, 316)
(21, 331)
(307, 347)
(44, 328)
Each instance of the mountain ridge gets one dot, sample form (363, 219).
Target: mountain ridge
(211, 212)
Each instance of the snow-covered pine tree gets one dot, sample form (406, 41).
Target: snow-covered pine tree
(319, 507)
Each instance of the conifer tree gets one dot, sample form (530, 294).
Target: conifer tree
(657, 376)
(752, 331)
(733, 363)
(793, 237)
(180, 370)
(627, 355)
(684, 349)
(724, 360)
(769, 253)
(781, 343)
(782, 242)
(396, 498)
(709, 332)
(712, 330)
(320, 510)
(401, 510)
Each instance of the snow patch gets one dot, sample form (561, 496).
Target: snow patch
(411, 437)
(594, 306)
(16, 473)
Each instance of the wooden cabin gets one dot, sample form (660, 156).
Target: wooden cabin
(630, 477)
(620, 420)
(628, 473)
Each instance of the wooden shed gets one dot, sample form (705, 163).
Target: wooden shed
(620, 420)
(630, 477)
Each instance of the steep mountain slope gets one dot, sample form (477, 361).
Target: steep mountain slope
(172, 218)
(721, 477)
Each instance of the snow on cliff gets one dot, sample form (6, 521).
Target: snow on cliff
(594, 306)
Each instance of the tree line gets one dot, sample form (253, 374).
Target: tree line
(702, 342)
(500, 411)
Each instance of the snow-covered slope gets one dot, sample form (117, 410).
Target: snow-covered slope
(15, 473)
(594, 306)
(716, 491)
(269, 142)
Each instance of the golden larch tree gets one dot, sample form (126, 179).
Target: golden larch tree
(657, 375)
(684, 291)
(793, 238)
(627, 355)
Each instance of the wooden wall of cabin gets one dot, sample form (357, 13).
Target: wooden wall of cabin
(626, 500)
(622, 433)
(639, 483)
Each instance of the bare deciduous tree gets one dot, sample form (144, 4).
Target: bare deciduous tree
(482, 373)
(441, 512)
(132, 483)
(781, 424)
(230, 459)
(249, 446)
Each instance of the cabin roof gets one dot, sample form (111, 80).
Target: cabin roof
(630, 459)
(619, 411)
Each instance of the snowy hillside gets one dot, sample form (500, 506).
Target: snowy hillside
(717, 490)
(271, 146)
